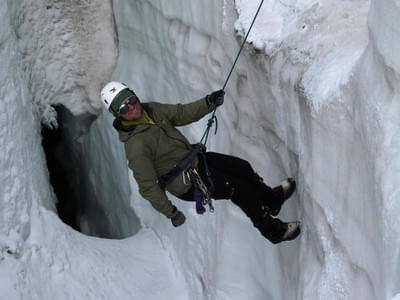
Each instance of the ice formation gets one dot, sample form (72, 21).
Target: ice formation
(314, 95)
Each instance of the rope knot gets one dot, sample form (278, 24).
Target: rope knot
(211, 122)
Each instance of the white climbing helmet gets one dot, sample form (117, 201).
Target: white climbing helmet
(110, 91)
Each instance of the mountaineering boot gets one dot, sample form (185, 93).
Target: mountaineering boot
(292, 231)
(286, 189)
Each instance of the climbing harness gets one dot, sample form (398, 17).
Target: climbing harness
(202, 193)
(213, 117)
(180, 167)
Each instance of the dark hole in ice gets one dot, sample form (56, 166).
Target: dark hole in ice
(85, 201)
(67, 206)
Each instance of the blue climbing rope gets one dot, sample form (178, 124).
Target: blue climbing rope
(213, 116)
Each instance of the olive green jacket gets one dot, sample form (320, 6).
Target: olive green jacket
(152, 150)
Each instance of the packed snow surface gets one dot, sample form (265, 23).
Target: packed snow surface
(314, 95)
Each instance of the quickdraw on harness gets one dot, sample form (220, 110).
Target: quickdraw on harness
(202, 193)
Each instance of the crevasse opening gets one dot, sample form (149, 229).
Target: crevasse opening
(77, 190)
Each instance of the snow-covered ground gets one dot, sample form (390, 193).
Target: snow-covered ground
(315, 95)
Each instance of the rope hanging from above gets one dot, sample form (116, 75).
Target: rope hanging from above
(214, 117)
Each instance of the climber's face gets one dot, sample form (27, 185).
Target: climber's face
(131, 109)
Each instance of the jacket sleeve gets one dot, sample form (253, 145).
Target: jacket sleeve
(183, 114)
(145, 175)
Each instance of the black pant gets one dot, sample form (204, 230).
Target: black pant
(235, 179)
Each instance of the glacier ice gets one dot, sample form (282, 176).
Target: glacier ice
(314, 95)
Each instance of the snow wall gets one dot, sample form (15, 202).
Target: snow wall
(314, 96)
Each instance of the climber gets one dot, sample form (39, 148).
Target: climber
(153, 146)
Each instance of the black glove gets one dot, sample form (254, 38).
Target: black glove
(179, 219)
(216, 98)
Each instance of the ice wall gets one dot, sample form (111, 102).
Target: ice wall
(43, 61)
(303, 101)
(22, 160)
(384, 48)
(67, 51)
(313, 96)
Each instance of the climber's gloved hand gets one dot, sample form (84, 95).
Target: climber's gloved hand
(216, 98)
(178, 219)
